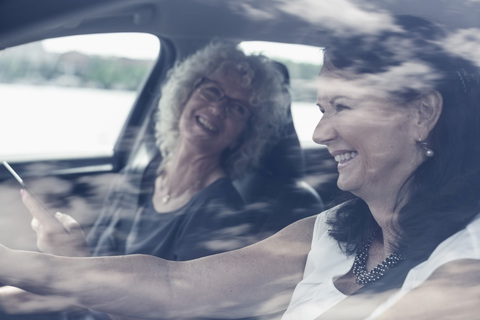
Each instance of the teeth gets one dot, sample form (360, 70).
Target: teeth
(206, 124)
(340, 158)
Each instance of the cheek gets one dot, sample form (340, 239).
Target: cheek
(188, 110)
(400, 137)
(389, 135)
(390, 148)
(235, 128)
(183, 122)
(379, 144)
(189, 106)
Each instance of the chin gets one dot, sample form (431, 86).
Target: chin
(346, 186)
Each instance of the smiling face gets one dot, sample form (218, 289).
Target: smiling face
(214, 126)
(372, 138)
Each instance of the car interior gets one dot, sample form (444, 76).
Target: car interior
(288, 171)
(296, 179)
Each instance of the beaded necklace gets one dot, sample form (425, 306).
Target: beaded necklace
(362, 276)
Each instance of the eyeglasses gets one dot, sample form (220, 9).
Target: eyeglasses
(210, 91)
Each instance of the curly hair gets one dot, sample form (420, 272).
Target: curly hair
(443, 193)
(270, 99)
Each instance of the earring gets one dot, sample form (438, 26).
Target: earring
(426, 150)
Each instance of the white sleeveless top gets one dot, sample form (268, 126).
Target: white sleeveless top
(316, 293)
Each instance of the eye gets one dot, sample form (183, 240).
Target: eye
(340, 107)
(211, 93)
(238, 109)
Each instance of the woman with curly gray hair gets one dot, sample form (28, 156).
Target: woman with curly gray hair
(267, 99)
(220, 110)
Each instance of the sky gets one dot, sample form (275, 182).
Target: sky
(146, 46)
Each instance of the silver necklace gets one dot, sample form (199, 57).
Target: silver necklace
(166, 198)
(168, 195)
(362, 276)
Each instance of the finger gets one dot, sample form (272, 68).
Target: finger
(67, 221)
(35, 224)
(37, 210)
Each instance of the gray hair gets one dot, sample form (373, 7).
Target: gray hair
(270, 99)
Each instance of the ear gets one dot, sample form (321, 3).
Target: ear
(428, 111)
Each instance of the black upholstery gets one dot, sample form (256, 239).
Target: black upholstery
(276, 189)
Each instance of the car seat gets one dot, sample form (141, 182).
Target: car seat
(276, 189)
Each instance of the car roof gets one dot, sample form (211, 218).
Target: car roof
(289, 21)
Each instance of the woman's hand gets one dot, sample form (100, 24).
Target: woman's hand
(15, 301)
(59, 234)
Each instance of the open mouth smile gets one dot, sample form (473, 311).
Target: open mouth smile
(344, 157)
(207, 125)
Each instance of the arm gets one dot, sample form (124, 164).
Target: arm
(451, 292)
(254, 280)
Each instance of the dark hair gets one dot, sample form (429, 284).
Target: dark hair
(445, 195)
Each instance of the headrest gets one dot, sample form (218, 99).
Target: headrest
(285, 160)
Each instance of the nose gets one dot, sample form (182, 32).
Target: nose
(325, 131)
(218, 108)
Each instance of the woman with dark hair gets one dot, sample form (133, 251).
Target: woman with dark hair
(401, 117)
(446, 180)
(401, 121)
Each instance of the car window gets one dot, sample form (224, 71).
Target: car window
(72, 93)
(303, 63)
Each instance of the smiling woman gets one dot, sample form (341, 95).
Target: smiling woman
(368, 133)
(259, 91)
(401, 117)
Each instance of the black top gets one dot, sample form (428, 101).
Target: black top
(213, 221)
(207, 224)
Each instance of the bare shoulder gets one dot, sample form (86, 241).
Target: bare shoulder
(451, 292)
(458, 272)
(257, 279)
(298, 234)
(286, 251)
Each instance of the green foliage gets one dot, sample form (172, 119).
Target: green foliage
(32, 65)
(115, 73)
